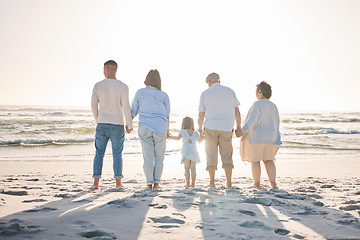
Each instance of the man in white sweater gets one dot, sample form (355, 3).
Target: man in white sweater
(109, 104)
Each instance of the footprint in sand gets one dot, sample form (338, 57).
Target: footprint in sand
(256, 200)
(327, 186)
(167, 226)
(290, 196)
(316, 196)
(350, 222)
(64, 195)
(84, 224)
(45, 209)
(158, 206)
(254, 224)
(311, 212)
(97, 234)
(246, 212)
(297, 236)
(123, 203)
(34, 200)
(15, 193)
(15, 227)
(350, 208)
(145, 193)
(166, 219)
(281, 231)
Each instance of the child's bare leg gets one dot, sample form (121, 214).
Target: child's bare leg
(256, 173)
(193, 181)
(187, 178)
(193, 173)
(271, 171)
(96, 183)
(187, 163)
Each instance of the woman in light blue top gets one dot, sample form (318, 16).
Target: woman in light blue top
(153, 107)
(261, 137)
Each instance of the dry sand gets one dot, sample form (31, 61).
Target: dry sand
(51, 200)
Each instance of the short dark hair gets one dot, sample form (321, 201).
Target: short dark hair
(187, 123)
(265, 89)
(111, 63)
(153, 79)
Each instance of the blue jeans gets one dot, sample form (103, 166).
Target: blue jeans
(104, 132)
(153, 148)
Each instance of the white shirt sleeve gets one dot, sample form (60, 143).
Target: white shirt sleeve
(95, 104)
(126, 107)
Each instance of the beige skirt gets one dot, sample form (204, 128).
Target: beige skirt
(257, 152)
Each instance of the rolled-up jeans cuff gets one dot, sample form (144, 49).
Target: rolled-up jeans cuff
(117, 177)
(96, 176)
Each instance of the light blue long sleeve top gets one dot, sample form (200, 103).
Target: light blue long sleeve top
(153, 107)
(262, 123)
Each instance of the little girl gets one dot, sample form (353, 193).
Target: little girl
(190, 155)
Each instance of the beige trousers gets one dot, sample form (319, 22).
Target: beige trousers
(218, 141)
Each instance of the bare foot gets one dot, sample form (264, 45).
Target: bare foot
(274, 186)
(211, 185)
(187, 185)
(257, 186)
(156, 186)
(96, 184)
(228, 185)
(192, 185)
(149, 186)
(120, 186)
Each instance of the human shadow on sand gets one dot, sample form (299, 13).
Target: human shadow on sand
(108, 214)
(238, 213)
(272, 214)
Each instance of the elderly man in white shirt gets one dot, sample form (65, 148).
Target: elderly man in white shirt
(219, 107)
(109, 103)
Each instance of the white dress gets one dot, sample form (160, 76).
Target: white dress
(189, 149)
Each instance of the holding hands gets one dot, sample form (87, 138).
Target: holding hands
(238, 132)
(128, 130)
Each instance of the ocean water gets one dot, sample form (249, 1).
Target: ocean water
(67, 133)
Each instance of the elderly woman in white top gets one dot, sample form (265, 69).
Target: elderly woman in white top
(261, 137)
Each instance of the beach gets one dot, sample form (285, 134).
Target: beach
(45, 181)
(53, 201)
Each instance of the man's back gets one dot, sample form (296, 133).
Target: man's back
(112, 96)
(219, 103)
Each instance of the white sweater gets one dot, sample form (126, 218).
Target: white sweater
(262, 123)
(110, 102)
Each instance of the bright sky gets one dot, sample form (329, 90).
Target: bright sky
(52, 52)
